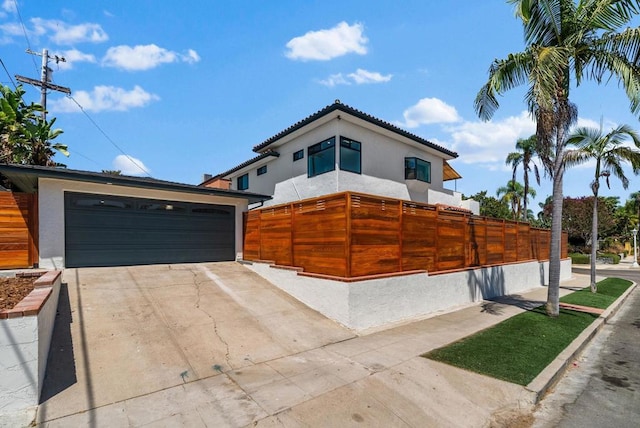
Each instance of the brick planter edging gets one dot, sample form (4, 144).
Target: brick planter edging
(33, 303)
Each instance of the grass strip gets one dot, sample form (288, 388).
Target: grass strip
(609, 290)
(519, 348)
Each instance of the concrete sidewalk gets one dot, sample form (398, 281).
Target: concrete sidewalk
(373, 380)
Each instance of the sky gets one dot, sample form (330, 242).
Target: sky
(178, 89)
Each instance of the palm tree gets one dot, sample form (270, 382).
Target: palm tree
(565, 40)
(526, 150)
(513, 194)
(610, 154)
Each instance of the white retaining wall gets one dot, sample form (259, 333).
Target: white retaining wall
(24, 348)
(376, 303)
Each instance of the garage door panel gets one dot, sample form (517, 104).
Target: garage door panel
(111, 230)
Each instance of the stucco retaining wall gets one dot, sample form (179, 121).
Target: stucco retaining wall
(375, 303)
(25, 337)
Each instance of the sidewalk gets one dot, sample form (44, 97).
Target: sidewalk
(373, 380)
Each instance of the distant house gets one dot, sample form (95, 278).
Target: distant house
(340, 149)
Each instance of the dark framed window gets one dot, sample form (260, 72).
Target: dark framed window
(321, 157)
(243, 182)
(298, 155)
(262, 170)
(350, 155)
(417, 169)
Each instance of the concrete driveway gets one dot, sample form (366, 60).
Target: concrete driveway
(216, 345)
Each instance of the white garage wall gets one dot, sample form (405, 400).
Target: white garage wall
(51, 211)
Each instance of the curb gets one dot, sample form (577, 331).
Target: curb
(554, 371)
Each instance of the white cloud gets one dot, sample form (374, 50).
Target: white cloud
(360, 77)
(105, 98)
(8, 6)
(129, 165)
(428, 111)
(363, 76)
(324, 45)
(490, 142)
(144, 57)
(62, 33)
(74, 56)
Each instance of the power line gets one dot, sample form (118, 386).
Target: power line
(24, 30)
(9, 75)
(109, 138)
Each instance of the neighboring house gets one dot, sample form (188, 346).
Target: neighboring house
(340, 148)
(94, 219)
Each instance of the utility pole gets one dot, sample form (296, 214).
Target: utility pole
(43, 83)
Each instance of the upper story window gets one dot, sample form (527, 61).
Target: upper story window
(243, 182)
(321, 157)
(298, 155)
(350, 155)
(417, 169)
(262, 170)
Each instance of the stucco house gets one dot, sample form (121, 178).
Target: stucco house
(340, 148)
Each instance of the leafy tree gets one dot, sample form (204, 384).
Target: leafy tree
(524, 154)
(26, 138)
(112, 171)
(610, 154)
(578, 213)
(491, 206)
(566, 42)
(513, 194)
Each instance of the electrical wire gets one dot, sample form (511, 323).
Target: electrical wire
(24, 30)
(113, 143)
(9, 75)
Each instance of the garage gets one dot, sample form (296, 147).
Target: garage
(103, 230)
(93, 219)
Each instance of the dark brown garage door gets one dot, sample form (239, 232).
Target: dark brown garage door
(105, 230)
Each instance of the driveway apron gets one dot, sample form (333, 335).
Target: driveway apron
(138, 330)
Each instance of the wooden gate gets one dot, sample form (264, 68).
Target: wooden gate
(18, 230)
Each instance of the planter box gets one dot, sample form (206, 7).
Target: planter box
(25, 337)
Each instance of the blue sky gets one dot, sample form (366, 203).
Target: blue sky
(186, 88)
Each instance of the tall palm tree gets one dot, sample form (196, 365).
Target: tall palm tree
(513, 194)
(566, 40)
(610, 154)
(526, 150)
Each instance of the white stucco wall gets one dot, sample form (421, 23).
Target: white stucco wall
(376, 303)
(24, 349)
(383, 154)
(51, 211)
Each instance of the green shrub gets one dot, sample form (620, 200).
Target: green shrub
(579, 259)
(615, 258)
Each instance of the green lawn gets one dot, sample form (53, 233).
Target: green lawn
(519, 348)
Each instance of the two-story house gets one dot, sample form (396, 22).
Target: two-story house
(341, 149)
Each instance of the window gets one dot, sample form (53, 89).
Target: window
(417, 169)
(321, 157)
(298, 155)
(262, 170)
(243, 182)
(350, 155)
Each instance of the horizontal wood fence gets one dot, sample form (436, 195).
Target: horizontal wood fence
(18, 230)
(349, 235)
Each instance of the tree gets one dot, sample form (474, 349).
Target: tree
(578, 213)
(526, 150)
(26, 138)
(566, 42)
(112, 171)
(609, 153)
(513, 194)
(491, 206)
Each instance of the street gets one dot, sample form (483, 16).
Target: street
(603, 386)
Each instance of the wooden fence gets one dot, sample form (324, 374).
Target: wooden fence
(18, 230)
(350, 235)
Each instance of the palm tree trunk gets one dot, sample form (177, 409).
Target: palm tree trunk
(594, 239)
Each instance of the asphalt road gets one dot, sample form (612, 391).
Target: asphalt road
(602, 389)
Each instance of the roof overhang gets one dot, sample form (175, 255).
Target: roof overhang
(448, 173)
(25, 178)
